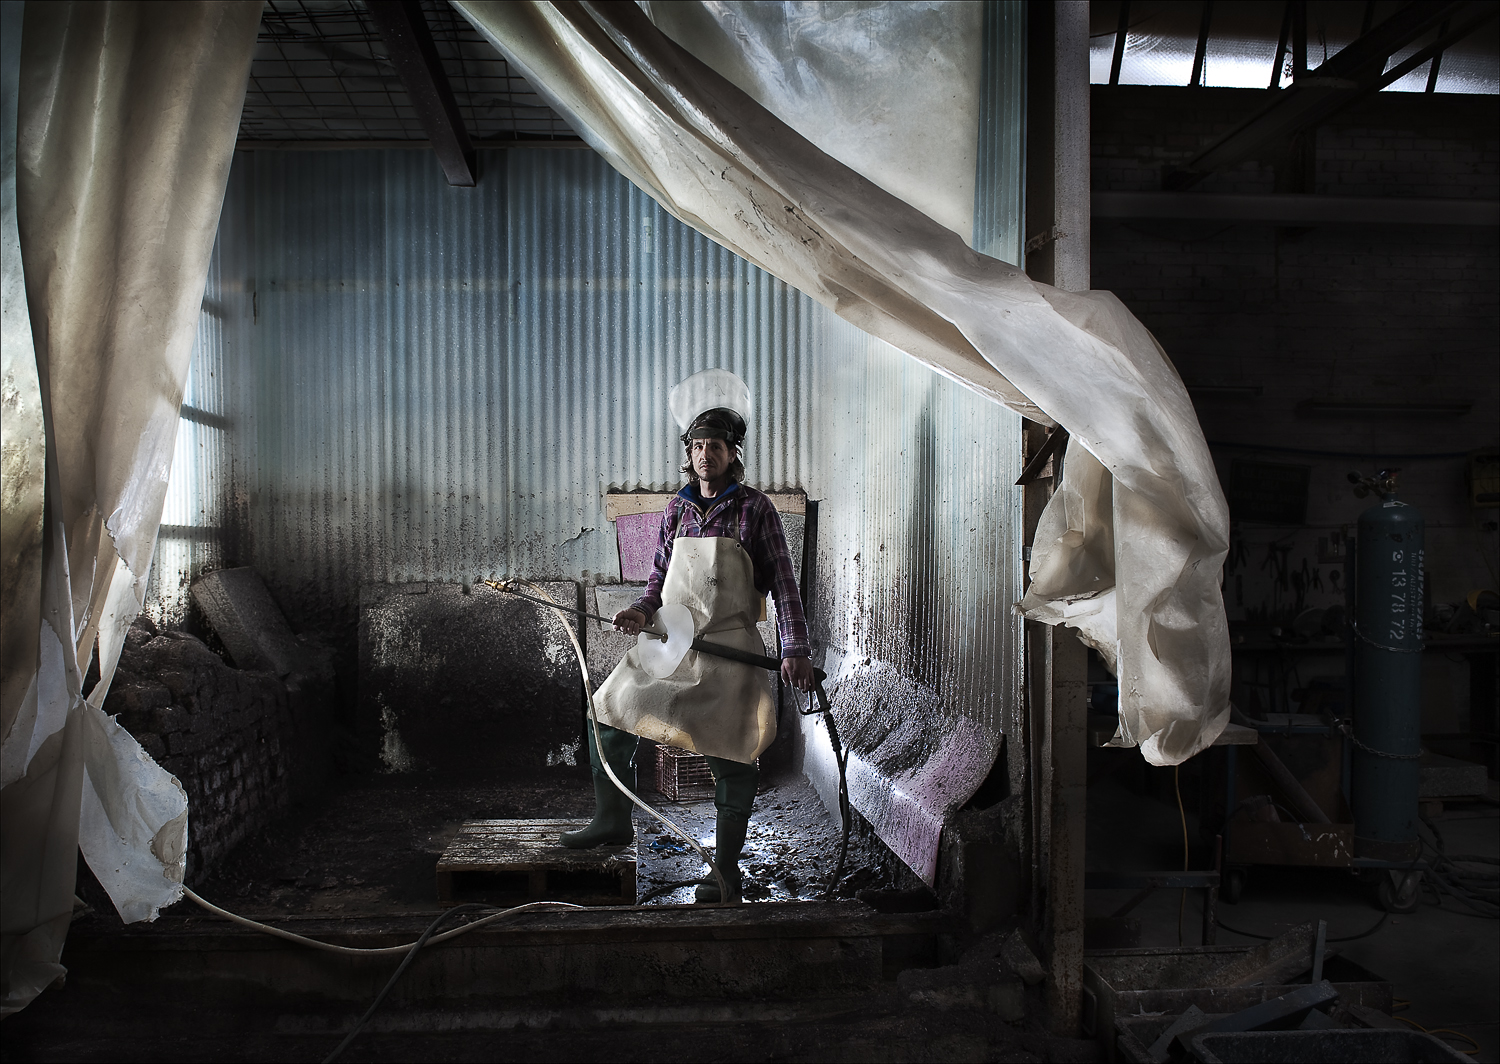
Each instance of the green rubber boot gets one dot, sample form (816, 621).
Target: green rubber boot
(729, 840)
(734, 796)
(611, 825)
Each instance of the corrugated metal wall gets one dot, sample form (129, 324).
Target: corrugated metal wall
(427, 383)
(441, 383)
(380, 353)
(1000, 172)
(918, 529)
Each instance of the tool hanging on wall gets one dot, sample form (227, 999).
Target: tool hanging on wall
(662, 648)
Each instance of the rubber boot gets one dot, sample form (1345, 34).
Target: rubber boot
(729, 840)
(734, 796)
(611, 825)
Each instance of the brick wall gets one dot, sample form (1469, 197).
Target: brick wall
(242, 744)
(1346, 313)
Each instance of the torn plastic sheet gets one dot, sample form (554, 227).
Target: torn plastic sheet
(124, 117)
(133, 823)
(718, 160)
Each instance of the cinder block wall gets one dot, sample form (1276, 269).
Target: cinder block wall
(1362, 314)
(243, 745)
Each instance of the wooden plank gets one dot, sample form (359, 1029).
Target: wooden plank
(626, 503)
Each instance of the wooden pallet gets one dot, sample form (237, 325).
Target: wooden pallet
(507, 862)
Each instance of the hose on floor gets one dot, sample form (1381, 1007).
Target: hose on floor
(375, 951)
(405, 963)
(409, 949)
(1476, 890)
(429, 937)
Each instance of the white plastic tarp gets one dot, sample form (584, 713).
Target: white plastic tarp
(120, 126)
(1131, 547)
(890, 90)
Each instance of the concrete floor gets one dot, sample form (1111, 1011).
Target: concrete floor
(791, 849)
(1443, 962)
(361, 864)
(371, 846)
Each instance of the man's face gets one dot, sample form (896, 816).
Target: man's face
(711, 459)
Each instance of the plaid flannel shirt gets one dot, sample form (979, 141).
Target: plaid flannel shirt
(744, 514)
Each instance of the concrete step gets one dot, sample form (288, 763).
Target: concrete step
(667, 982)
(612, 956)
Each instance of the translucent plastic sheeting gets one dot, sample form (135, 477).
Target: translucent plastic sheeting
(126, 116)
(891, 90)
(1132, 547)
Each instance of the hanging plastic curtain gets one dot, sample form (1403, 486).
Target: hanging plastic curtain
(1131, 547)
(120, 123)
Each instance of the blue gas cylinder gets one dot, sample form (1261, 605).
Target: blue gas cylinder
(1387, 627)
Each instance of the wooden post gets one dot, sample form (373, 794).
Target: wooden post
(1057, 226)
(1065, 759)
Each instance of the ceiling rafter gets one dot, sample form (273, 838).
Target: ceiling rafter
(409, 46)
(1343, 79)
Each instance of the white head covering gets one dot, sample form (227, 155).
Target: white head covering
(711, 389)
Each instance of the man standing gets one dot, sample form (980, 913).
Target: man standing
(721, 549)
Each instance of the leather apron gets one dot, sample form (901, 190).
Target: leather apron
(710, 705)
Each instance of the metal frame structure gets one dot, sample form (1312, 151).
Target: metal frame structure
(332, 72)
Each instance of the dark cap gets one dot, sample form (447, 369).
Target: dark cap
(717, 424)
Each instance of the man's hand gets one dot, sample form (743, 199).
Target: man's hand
(630, 621)
(798, 672)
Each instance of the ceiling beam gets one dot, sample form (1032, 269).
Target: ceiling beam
(408, 43)
(1295, 210)
(1346, 77)
(1200, 53)
(1121, 32)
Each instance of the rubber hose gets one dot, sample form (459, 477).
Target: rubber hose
(588, 689)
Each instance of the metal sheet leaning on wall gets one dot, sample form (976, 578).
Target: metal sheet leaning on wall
(719, 161)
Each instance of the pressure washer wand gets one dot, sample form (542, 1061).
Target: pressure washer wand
(840, 754)
(703, 646)
(650, 633)
(719, 650)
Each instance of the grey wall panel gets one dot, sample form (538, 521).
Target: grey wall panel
(379, 346)
(1000, 171)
